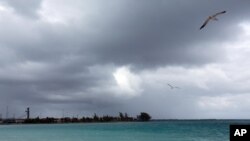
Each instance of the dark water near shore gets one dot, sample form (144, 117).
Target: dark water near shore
(170, 130)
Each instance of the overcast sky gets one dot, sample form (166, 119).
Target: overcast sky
(80, 57)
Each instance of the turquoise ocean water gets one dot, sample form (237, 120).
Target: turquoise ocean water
(172, 130)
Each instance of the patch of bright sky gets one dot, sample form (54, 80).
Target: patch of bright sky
(4, 7)
(127, 81)
(246, 27)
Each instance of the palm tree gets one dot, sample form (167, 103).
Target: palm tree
(143, 117)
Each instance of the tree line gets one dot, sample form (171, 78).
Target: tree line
(122, 117)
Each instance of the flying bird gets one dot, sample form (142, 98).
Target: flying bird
(173, 87)
(213, 17)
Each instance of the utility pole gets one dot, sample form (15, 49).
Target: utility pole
(28, 113)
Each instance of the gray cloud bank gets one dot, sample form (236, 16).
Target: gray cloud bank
(88, 56)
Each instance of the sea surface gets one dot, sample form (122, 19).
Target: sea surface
(170, 130)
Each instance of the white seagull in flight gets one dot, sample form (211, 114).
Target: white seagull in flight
(213, 17)
(173, 87)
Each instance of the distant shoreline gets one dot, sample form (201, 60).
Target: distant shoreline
(123, 117)
(135, 121)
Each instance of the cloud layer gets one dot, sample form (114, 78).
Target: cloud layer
(91, 56)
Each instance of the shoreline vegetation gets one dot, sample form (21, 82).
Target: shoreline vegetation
(143, 116)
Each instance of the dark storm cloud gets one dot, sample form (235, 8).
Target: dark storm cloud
(147, 34)
(143, 34)
(70, 64)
